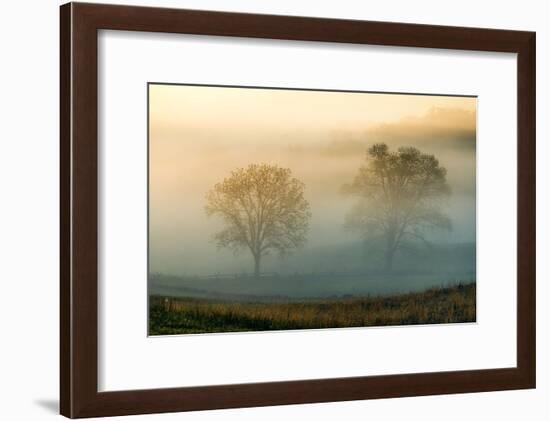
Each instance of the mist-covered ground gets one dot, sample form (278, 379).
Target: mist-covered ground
(330, 272)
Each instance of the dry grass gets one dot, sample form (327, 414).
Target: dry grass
(442, 305)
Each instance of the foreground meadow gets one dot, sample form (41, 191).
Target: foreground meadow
(169, 315)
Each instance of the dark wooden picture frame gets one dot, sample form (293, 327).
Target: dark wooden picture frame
(80, 23)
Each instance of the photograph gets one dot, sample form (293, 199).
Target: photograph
(282, 209)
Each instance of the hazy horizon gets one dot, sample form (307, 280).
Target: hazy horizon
(198, 135)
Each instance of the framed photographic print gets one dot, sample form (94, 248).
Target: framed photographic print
(264, 210)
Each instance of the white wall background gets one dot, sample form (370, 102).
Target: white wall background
(29, 120)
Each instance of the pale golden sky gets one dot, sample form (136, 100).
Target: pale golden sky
(228, 108)
(198, 135)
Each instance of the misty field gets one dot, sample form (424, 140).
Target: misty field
(168, 315)
(281, 209)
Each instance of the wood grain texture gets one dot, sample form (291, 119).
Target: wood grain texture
(79, 198)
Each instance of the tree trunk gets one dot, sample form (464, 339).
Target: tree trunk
(388, 259)
(390, 249)
(257, 266)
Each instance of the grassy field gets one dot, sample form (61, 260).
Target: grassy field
(168, 315)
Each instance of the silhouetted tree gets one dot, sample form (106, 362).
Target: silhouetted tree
(400, 196)
(264, 210)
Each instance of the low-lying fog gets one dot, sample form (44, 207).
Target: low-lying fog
(199, 135)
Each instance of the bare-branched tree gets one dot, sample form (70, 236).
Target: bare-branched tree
(400, 195)
(264, 210)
